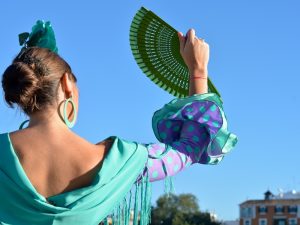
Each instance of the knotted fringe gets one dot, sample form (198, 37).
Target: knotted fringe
(169, 185)
(136, 206)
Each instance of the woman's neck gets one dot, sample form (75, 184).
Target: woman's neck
(47, 119)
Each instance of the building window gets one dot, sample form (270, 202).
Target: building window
(278, 209)
(293, 221)
(262, 209)
(246, 212)
(262, 221)
(247, 222)
(279, 221)
(292, 209)
(249, 212)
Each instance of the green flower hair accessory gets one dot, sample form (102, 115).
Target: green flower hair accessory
(42, 35)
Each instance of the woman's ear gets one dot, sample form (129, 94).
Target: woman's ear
(67, 85)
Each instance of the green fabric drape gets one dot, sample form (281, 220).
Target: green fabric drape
(89, 205)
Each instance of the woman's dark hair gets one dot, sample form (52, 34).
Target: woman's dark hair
(33, 78)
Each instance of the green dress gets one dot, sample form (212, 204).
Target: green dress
(190, 130)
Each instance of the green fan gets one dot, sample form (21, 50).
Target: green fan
(155, 47)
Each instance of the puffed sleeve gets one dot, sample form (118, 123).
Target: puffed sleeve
(189, 130)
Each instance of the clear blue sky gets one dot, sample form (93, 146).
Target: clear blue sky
(254, 62)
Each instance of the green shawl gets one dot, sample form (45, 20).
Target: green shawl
(89, 205)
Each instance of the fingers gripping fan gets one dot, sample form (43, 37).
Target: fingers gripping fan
(156, 49)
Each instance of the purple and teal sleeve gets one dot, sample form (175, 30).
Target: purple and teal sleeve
(189, 130)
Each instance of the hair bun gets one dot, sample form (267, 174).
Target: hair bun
(32, 80)
(20, 85)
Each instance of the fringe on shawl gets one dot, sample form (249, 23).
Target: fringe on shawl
(136, 205)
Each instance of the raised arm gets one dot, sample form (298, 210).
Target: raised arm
(195, 53)
(191, 129)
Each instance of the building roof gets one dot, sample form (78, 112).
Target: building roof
(288, 198)
(272, 202)
(288, 195)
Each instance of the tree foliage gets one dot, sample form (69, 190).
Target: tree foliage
(180, 209)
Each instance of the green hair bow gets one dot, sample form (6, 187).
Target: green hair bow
(42, 35)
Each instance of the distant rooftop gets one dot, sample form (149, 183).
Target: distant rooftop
(282, 197)
(287, 195)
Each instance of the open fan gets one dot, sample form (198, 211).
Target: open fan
(155, 47)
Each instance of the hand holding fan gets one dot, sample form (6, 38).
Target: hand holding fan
(155, 47)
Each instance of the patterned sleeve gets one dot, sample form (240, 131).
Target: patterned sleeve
(190, 130)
